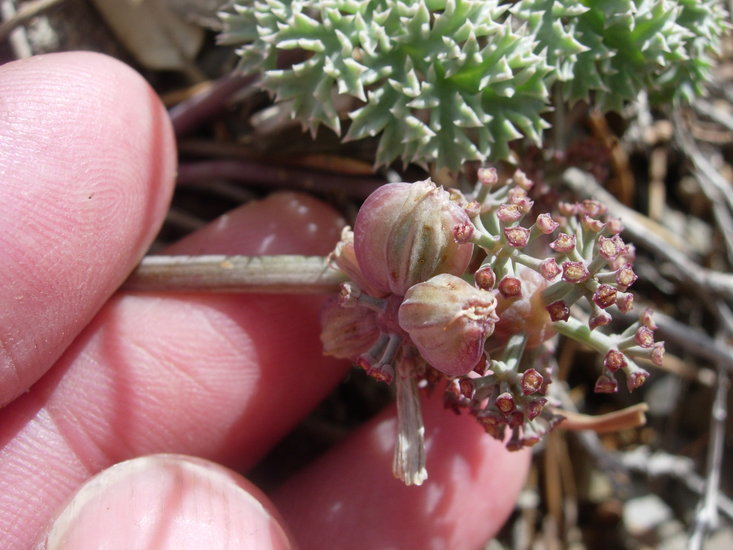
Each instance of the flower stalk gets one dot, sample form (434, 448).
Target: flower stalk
(278, 274)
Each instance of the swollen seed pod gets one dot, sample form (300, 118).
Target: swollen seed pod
(347, 331)
(448, 320)
(406, 232)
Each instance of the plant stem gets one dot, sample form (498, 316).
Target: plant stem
(285, 274)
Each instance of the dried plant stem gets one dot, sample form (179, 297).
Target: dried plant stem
(408, 464)
(25, 13)
(630, 417)
(715, 187)
(286, 274)
(706, 518)
(707, 282)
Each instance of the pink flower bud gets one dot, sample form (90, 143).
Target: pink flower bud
(463, 232)
(614, 360)
(515, 418)
(505, 403)
(608, 248)
(563, 244)
(549, 269)
(592, 208)
(646, 319)
(599, 319)
(657, 355)
(574, 272)
(405, 233)
(625, 301)
(466, 387)
(493, 424)
(485, 277)
(614, 226)
(534, 407)
(625, 277)
(510, 287)
(473, 209)
(546, 224)
(644, 337)
(517, 236)
(606, 384)
(531, 381)
(518, 197)
(592, 224)
(522, 180)
(636, 378)
(382, 372)
(567, 209)
(508, 213)
(559, 311)
(448, 320)
(488, 176)
(604, 296)
(525, 313)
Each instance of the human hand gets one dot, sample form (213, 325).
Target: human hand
(94, 381)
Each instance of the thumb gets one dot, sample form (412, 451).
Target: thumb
(167, 501)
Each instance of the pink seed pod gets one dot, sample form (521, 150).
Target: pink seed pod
(448, 320)
(406, 233)
(347, 331)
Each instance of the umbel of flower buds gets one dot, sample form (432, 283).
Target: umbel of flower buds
(449, 321)
(407, 232)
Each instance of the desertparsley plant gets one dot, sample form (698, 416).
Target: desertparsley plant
(419, 311)
(446, 82)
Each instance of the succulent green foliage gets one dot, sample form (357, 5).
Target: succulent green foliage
(448, 81)
(438, 81)
(610, 50)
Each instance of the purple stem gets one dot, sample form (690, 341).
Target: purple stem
(200, 108)
(271, 176)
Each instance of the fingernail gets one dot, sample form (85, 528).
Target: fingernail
(167, 501)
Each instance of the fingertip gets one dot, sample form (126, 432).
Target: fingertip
(167, 501)
(88, 163)
(472, 487)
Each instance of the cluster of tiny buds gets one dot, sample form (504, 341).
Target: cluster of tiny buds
(410, 295)
(589, 258)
